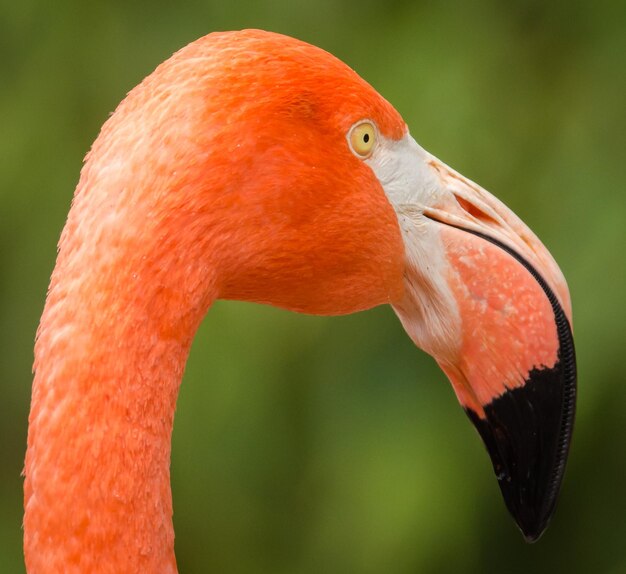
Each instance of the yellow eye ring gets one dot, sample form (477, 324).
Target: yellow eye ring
(362, 138)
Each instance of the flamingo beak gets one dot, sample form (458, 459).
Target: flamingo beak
(498, 318)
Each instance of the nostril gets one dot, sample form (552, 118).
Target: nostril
(474, 211)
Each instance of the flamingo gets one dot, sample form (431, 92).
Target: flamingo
(252, 166)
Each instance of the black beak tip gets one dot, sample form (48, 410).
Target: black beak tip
(527, 432)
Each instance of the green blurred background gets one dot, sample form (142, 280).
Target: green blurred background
(308, 445)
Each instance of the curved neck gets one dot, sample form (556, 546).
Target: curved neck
(109, 359)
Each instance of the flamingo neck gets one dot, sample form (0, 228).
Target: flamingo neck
(109, 359)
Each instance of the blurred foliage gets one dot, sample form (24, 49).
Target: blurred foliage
(307, 444)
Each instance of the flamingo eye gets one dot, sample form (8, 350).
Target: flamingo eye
(362, 138)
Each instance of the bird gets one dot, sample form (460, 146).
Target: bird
(256, 167)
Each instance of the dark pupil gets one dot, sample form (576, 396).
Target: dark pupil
(366, 138)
